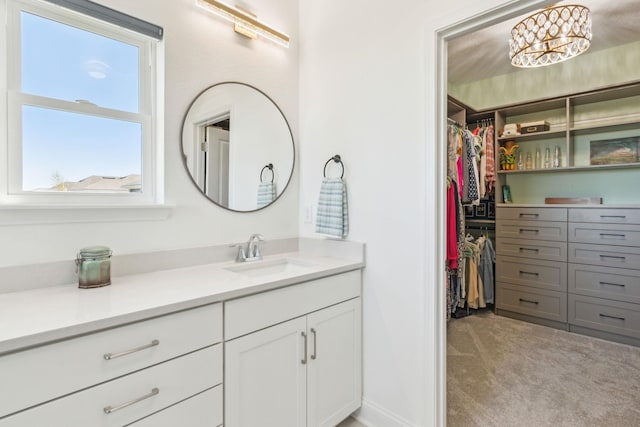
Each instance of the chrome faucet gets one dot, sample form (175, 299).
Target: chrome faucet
(252, 251)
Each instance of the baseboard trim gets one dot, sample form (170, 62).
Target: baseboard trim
(373, 415)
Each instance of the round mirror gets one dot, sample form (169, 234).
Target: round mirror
(237, 147)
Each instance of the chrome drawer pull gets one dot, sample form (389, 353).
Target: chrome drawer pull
(612, 317)
(112, 409)
(613, 256)
(529, 250)
(529, 301)
(529, 273)
(109, 356)
(612, 235)
(613, 216)
(529, 215)
(313, 356)
(529, 230)
(304, 359)
(612, 284)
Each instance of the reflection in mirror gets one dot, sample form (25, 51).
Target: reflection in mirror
(237, 147)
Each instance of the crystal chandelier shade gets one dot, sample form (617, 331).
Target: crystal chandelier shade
(552, 35)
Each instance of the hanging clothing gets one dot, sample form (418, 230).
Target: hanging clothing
(490, 174)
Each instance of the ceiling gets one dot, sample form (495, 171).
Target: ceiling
(485, 53)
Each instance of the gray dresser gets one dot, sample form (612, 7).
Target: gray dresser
(573, 268)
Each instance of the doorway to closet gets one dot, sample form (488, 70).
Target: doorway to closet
(453, 42)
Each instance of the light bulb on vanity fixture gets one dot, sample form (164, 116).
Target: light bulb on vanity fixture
(551, 35)
(245, 23)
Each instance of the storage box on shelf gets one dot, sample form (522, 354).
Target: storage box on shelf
(531, 269)
(604, 273)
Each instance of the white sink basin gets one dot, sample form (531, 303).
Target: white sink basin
(267, 267)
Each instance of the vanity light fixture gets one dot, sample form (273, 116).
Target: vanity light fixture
(552, 35)
(245, 22)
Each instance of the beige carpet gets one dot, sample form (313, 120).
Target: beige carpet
(504, 372)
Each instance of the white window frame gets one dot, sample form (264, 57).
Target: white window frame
(150, 114)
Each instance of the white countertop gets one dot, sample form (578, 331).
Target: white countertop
(37, 316)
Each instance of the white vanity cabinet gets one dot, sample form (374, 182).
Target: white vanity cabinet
(293, 355)
(118, 376)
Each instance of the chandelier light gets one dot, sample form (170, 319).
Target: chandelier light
(552, 35)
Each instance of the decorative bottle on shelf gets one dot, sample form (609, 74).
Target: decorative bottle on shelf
(538, 163)
(520, 161)
(556, 157)
(528, 163)
(547, 158)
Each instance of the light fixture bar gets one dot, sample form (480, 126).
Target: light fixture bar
(246, 20)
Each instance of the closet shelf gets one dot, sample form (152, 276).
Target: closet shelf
(573, 169)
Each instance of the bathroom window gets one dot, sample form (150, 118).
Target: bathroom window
(83, 97)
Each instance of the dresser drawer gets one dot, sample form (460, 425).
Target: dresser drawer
(201, 410)
(605, 282)
(131, 397)
(550, 275)
(64, 367)
(532, 230)
(609, 216)
(531, 214)
(604, 255)
(605, 234)
(604, 315)
(538, 249)
(531, 301)
(248, 314)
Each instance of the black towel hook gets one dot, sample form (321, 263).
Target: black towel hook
(336, 159)
(270, 167)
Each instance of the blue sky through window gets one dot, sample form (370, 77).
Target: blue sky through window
(63, 62)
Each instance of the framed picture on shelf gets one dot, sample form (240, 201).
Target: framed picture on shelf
(468, 211)
(481, 210)
(506, 194)
(491, 210)
(614, 151)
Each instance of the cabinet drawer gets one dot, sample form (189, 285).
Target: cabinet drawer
(604, 255)
(534, 230)
(529, 272)
(531, 301)
(538, 249)
(174, 381)
(531, 214)
(201, 410)
(605, 315)
(606, 234)
(248, 314)
(609, 216)
(57, 369)
(605, 282)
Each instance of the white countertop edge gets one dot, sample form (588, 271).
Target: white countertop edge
(569, 205)
(52, 333)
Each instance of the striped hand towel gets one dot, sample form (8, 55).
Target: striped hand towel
(266, 193)
(332, 218)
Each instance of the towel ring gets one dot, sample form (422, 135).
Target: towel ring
(270, 167)
(336, 159)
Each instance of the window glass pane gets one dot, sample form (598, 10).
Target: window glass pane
(64, 151)
(64, 62)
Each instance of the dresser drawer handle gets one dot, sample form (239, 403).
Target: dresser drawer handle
(612, 284)
(613, 257)
(529, 301)
(529, 273)
(529, 250)
(529, 215)
(109, 356)
(304, 357)
(613, 235)
(112, 409)
(529, 230)
(613, 216)
(612, 317)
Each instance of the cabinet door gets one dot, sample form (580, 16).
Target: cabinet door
(334, 370)
(265, 377)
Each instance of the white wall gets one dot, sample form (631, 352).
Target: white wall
(201, 50)
(367, 92)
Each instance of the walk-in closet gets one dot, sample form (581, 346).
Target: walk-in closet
(543, 219)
